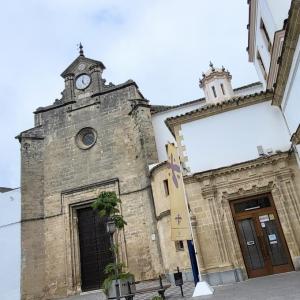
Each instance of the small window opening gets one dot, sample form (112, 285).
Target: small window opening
(179, 245)
(214, 91)
(222, 88)
(265, 35)
(166, 187)
(252, 204)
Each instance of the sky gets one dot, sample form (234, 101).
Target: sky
(163, 45)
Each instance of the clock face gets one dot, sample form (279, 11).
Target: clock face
(83, 81)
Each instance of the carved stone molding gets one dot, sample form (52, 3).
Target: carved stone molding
(72, 200)
(213, 109)
(264, 175)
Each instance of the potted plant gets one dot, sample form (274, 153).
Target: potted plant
(124, 278)
(117, 280)
(157, 298)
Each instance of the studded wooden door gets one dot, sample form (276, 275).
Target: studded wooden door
(95, 251)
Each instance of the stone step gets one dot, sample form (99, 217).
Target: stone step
(94, 295)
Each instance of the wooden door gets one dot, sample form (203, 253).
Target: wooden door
(95, 251)
(260, 235)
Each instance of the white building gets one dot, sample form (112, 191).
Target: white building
(235, 150)
(10, 244)
(216, 85)
(265, 38)
(274, 48)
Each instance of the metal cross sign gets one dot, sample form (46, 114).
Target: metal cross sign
(175, 168)
(178, 219)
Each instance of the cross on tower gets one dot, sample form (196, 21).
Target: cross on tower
(80, 49)
(178, 219)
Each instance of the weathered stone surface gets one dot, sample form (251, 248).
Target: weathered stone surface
(58, 177)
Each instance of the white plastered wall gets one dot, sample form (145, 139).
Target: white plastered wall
(10, 245)
(161, 131)
(291, 98)
(232, 137)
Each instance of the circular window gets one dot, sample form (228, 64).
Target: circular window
(86, 138)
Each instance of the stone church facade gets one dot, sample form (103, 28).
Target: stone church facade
(96, 137)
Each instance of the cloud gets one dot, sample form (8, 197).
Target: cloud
(163, 45)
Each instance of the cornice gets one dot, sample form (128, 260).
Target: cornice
(35, 133)
(118, 87)
(89, 186)
(261, 161)
(214, 74)
(295, 139)
(217, 108)
(289, 45)
(136, 103)
(81, 59)
(156, 109)
(157, 167)
(59, 103)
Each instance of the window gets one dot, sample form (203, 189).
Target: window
(265, 35)
(261, 64)
(166, 187)
(179, 245)
(86, 138)
(214, 91)
(252, 204)
(222, 88)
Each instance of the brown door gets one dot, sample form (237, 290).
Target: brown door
(95, 251)
(260, 235)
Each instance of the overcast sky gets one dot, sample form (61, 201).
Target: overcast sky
(164, 45)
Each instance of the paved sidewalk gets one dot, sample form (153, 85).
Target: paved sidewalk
(280, 286)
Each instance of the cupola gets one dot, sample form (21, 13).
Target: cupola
(216, 84)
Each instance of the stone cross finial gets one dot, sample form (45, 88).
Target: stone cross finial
(81, 49)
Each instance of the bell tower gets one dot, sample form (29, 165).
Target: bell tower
(216, 84)
(82, 78)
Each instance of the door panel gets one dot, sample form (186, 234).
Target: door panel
(95, 251)
(252, 250)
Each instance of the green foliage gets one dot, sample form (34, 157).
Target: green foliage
(107, 206)
(110, 271)
(119, 221)
(157, 298)
(112, 267)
